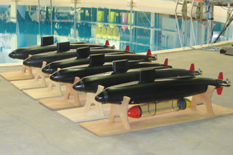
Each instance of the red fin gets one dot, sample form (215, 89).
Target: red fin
(148, 52)
(220, 76)
(127, 48)
(192, 68)
(219, 90)
(106, 43)
(166, 61)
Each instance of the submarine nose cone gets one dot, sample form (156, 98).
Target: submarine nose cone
(62, 76)
(79, 86)
(48, 70)
(101, 97)
(18, 54)
(27, 62)
(13, 54)
(55, 77)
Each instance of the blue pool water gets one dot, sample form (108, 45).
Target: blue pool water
(142, 31)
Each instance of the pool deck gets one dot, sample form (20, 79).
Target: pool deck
(27, 127)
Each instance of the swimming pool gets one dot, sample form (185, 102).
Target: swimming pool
(23, 25)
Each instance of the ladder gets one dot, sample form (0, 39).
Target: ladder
(195, 3)
(181, 29)
(183, 14)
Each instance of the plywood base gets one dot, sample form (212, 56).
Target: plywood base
(30, 84)
(44, 92)
(18, 75)
(63, 103)
(106, 128)
(82, 114)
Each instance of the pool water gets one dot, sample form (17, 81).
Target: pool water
(141, 30)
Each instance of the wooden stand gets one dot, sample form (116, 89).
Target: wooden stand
(204, 98)
(39, 80)
(25, 73)
(120, 110)
(88, 112)
(91, 100)
(47, 92)
(124, 124)
(66, 101)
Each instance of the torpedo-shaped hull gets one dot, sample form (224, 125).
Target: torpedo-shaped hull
(90, 84)
(23, 53)
(37, 60)
(159, 90)
(68, 75)
(52, 67)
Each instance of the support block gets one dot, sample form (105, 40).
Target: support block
(92, 109)
(24, 74)
(67, 101)
(107, 128)
(44, 92)
(59, 103)
(81, 114)
(30, 84)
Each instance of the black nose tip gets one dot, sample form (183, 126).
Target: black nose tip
(63, 76)
(27, 62)
(12, 54)
(55, 77)
(100, 97)
(79, 86)
(48, 70)
(45, 69)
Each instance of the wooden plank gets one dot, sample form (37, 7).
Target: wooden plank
(44, 92)
(59, 103)
(107, 128)
(18, 75)
(82, 114)
(30, 84)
